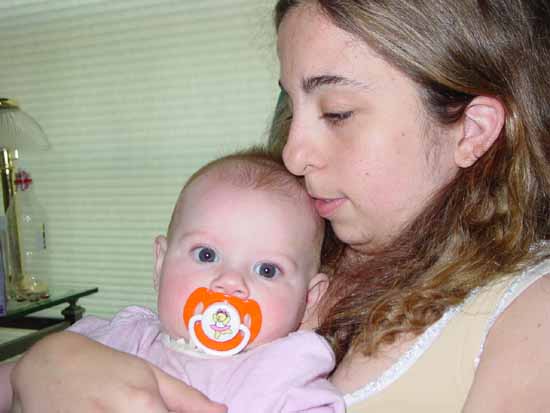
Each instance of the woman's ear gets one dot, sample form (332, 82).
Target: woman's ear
(160, 246)
(483, 122)
(316, 289)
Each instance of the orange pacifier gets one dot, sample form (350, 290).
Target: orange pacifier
(221, 329)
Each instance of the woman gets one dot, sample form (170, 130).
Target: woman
(422, 132)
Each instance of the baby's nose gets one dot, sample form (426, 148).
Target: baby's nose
(230, 283)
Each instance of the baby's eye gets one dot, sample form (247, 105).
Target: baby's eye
(205, 254)
(267, 270)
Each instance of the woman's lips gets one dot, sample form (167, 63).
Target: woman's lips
(327, 207)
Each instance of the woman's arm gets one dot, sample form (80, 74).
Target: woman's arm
(67, 372)
(5, 387)
(514, 371)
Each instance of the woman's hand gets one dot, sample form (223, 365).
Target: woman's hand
(67, 372)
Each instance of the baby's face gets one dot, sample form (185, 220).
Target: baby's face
(249, 243)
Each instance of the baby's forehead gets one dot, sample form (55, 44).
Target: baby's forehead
(291, 196)
(246, 175)
(261, 176)
(212, 188)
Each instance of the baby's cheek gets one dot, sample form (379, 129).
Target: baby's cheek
(171, 311)
(278, 321)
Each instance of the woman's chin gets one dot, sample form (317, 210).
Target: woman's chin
(350, 235)
(359, 239)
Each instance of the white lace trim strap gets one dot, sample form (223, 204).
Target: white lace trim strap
(409, 358)
(518, 286)
(425, 340)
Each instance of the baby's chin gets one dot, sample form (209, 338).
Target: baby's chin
(261, 340)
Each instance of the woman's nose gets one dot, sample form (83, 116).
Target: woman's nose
(231, 283)
(300, 154)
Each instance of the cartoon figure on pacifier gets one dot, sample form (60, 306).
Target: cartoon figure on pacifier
(225, 325)
(221, 324)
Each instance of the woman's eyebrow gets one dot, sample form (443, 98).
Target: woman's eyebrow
(312, 83)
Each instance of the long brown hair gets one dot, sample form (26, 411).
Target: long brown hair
(486, 224)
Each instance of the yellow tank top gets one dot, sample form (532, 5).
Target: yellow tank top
(436, 374)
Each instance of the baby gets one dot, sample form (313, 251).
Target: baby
(237, 276)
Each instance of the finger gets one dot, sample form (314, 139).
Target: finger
(182, 398)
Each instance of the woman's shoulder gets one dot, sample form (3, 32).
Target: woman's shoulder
(445, 353)
(514, 368)
(498, 296)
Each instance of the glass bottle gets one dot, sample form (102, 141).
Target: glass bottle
(32, 233)
(4, 280)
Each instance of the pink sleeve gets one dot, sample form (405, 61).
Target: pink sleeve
(127, 331)
(287, 376)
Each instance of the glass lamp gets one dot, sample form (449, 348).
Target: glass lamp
(18, 132)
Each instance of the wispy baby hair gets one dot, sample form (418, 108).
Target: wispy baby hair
(255, 167)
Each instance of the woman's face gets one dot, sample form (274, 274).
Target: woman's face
(359, 136)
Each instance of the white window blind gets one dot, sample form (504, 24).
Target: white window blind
(134, 96)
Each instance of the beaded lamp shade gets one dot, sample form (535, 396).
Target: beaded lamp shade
(18, 130)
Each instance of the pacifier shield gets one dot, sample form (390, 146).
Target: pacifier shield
(220, 329)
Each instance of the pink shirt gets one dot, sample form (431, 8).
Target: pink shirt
(287, 375)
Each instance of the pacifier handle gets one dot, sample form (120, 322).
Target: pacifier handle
(227, 348)
(221, 340)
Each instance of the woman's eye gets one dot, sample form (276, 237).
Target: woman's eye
(266, 270)
(337, 117)
(205, 254)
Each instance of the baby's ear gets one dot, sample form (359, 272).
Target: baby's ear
(482, 125)
(317, 287)
(159, 247)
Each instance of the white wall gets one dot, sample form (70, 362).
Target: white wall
(134, 96)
